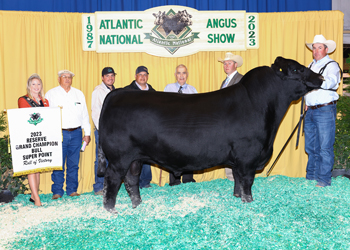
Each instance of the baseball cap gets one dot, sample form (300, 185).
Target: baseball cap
(141, 69)
(108, 70)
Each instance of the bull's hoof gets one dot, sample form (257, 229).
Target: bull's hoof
(111, 210)
(247, 198)
(136, 203)
(237, 195)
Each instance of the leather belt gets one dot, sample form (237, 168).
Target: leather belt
(322, 105)
(70, 129)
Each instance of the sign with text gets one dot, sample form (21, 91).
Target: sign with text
(170, 31)
(36, 139)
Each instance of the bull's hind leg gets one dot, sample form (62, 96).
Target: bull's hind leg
(131, 183)
(113, 180)
(243, 187)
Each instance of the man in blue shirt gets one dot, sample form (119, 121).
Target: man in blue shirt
(321, 113)
(180, 87)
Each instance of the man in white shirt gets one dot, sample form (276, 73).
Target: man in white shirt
(181, 87)
(75, 117)
(98, 96)
(231, 63)
(321, 106)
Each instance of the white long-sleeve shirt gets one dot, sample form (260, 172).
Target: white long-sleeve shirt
(331, 75)
(74, 110)
(98, 96)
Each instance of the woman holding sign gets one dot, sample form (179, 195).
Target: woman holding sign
(34, 98)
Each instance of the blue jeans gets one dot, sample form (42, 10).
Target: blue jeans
(145, 176)
(71, 154)
(319, 140)
(98, 186)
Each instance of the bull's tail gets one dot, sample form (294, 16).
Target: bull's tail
(102, 163)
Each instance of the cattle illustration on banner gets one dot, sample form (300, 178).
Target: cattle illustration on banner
(36, 139)
(179, 30)
(172, 30)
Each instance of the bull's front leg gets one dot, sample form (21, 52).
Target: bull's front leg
(237, 188)
(131, 183)
(102, 163)
(246, 184)
(112, 182)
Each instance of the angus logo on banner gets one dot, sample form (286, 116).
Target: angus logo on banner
(35, 118)
(179, 30)
(172, 30)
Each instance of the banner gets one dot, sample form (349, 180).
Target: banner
(170, 31)
(36, 139)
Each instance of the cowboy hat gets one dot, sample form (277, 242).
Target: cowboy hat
(331, 45)
(231, 57)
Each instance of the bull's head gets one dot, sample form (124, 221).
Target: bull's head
(288, 69)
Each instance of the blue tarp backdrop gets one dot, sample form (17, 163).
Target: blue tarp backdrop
(140, 5)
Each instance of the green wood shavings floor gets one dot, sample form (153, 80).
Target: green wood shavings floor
(287, 213)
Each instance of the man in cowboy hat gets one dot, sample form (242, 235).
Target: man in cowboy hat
(231, 63)
(321, 113)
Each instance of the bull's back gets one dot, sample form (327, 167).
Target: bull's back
(185, 130)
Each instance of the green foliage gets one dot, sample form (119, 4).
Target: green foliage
(13, 184)
(346, 81)
(342, 134)
(347, 60)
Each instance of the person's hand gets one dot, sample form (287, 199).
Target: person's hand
(87, 139)
(305, 107)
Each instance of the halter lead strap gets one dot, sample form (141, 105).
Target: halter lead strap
(324, 67)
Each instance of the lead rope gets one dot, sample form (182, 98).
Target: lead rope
(290, 137)
(302, 115)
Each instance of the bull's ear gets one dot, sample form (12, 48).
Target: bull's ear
(280, 62)
(279, 71)
(281, 66)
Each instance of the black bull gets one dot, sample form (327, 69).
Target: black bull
(235, 126)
